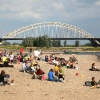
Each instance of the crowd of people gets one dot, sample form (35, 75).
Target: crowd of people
(71, 63)
(30, 64)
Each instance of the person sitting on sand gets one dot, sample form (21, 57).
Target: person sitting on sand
(31, 69)
(39, 71)
(21, 58)
(25, 57)
(69, 64)
(3, 59)
(18, 58)
(6, 64)
(4, 79)
(62, 61)
(46, 58)
(72, 62)
(61, 72)
(55, 61)
(56, 70)
(42, 77)
(34, 62)
(15, 60)
(23, 66)
(52, 77)
(52, 56)
(73, 59)
(11, 56)
(93, 67)
(94, 83)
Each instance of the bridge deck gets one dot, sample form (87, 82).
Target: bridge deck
(54, 38)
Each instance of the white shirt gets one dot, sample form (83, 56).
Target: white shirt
(55, 62)
(23, 66)
(36, 53)
(33, 69)
(11, 57)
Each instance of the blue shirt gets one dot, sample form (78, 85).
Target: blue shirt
(50, 75)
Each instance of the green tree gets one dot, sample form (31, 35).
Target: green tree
(27, 42)
(88, 44)
(76, 43)
(59, 43)
(6, 43)
(15, 43)
(65, 43)
(47, 41)
(36, 42)
(56, 43)
(43, 41)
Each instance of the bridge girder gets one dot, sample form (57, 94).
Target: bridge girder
(53, 24)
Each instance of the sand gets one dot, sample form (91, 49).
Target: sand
(26, 88)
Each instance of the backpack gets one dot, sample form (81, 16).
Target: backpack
(88, 83)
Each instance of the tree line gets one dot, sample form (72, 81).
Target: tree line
(45, 41)
(41, 41)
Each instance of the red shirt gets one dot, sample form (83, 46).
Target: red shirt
(21, 50)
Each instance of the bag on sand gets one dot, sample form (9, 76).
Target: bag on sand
(88, 83)
(1, 84)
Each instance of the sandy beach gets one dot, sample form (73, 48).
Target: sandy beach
(73, 88)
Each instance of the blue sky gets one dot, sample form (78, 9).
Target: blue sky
(84, 14)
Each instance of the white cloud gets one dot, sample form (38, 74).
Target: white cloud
(48, 9)
(97, 3)
(82, 9)
(9, 8)
(58, 6)
(30, 14)
(31, 11)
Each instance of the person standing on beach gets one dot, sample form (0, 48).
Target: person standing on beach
(30, 53)
(21, 51)
(36, 54)
(30, 50)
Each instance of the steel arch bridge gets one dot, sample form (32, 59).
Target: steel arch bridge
(51, 29)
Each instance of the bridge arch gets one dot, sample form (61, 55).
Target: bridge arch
(62, 30)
